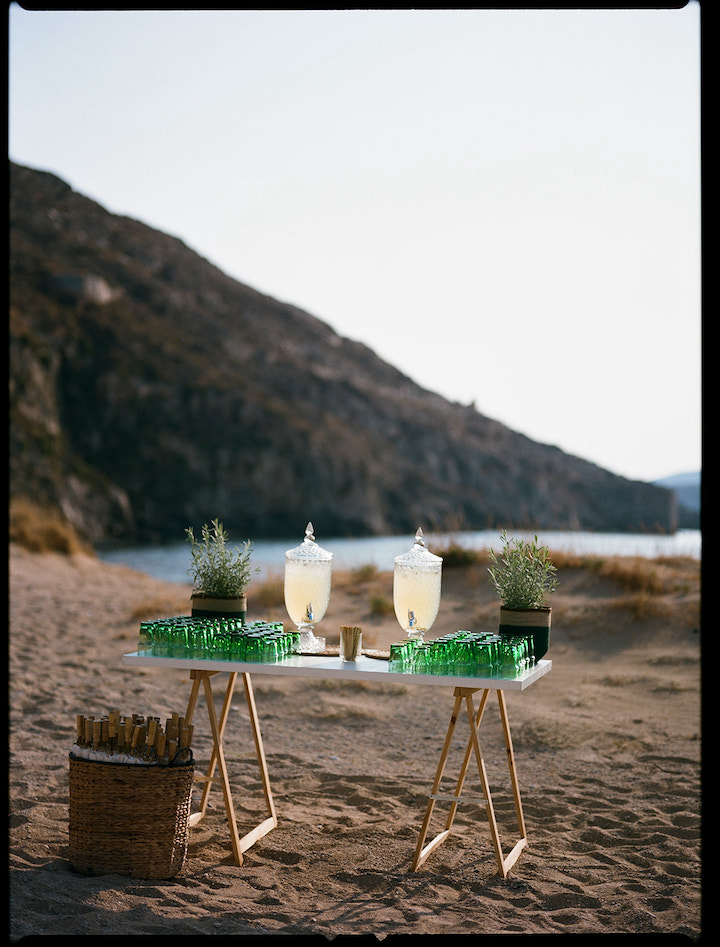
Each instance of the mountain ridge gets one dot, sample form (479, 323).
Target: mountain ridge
(150, 391)
(687, 488)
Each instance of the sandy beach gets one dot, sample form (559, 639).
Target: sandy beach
(607, 747)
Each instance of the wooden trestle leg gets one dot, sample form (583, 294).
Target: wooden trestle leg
(422, 850)
(217, 759)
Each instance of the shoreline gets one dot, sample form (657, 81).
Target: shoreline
(169, 561)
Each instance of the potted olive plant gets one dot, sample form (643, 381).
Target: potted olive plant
(220, 573)
(524, 577)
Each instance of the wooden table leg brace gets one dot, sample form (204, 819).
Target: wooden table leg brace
(422, 851)
(217, 759)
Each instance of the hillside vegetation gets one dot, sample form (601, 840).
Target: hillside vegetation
(149, 391)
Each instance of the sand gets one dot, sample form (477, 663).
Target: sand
(607, 748)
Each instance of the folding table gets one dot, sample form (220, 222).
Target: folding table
(369, 669)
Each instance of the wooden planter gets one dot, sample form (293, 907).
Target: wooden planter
(528, 621)
(203, 606)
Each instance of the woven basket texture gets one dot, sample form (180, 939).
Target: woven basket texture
(129, 819)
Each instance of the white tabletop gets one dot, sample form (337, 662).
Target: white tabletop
(363, 669)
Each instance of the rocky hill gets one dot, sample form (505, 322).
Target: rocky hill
(149, 391)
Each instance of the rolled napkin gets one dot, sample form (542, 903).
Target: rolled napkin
(105, 756)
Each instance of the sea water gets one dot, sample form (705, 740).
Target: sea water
(171, 562)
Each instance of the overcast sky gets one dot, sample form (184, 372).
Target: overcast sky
(503, 204)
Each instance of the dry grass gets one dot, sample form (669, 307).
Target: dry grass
(648, 586)
(653, 577)
(43, 529)
(268, 594)
(455, 556)
(160, 607)
(380, 604)
(634, 574)
(643, 606)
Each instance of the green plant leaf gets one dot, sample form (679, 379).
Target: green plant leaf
(523, 574)
(217, 568)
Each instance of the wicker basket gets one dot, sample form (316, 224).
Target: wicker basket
(129, 819)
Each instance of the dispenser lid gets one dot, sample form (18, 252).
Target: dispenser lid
(309, 549)
(419, 556)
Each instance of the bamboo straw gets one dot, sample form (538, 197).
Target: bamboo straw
(137, 735)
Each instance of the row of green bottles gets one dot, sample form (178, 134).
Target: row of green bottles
(464, 654)
(217, 639)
